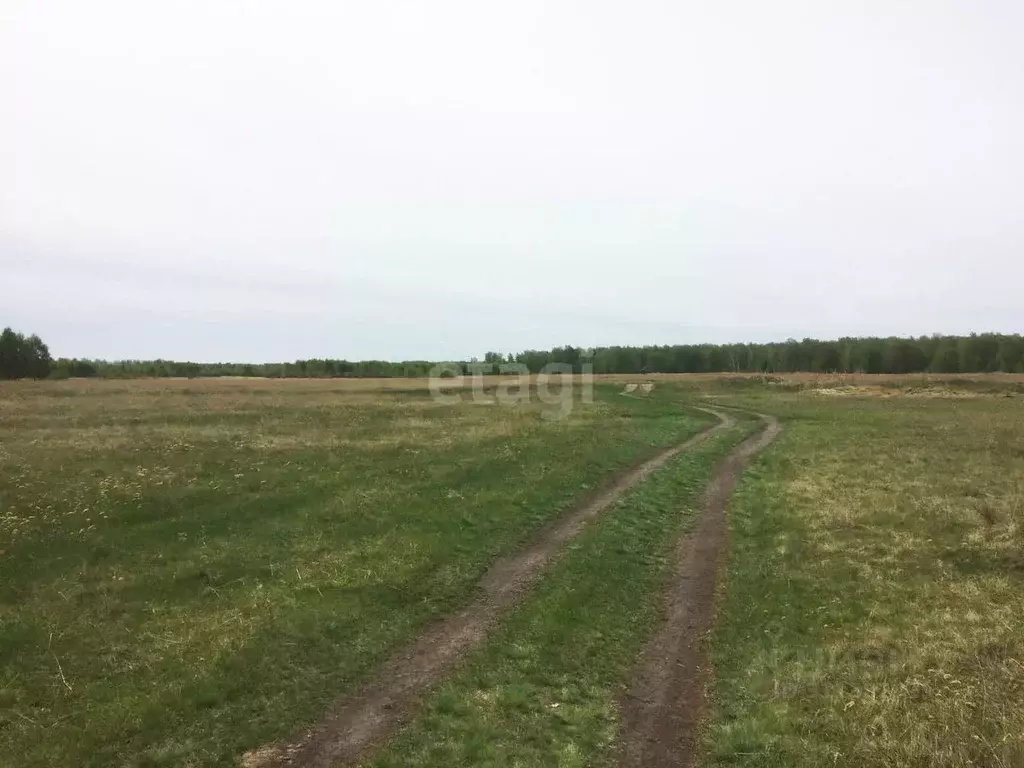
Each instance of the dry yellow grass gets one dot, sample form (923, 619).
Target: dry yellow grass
(874, 614)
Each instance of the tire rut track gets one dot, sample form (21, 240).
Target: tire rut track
(662, 712)
(362, 720)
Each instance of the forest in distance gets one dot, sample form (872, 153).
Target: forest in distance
(24, 356)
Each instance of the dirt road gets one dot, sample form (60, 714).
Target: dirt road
(662, 712)
(364, 719)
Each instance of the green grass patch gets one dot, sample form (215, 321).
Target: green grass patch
(874, 612)
(542, 690)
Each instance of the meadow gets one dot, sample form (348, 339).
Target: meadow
(873, 607)
(190, 569)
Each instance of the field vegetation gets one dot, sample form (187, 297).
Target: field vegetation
(873, 609)
(191, 569)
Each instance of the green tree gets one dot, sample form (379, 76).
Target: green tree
(945, 359)
(22, 357)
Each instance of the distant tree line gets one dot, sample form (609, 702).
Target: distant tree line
(28, 357)
(23, 357)
(64, 368)
(977, 353)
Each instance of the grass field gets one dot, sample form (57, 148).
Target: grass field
(874, 606)
(191, 569)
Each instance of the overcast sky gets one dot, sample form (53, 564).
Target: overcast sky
(256, 180)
